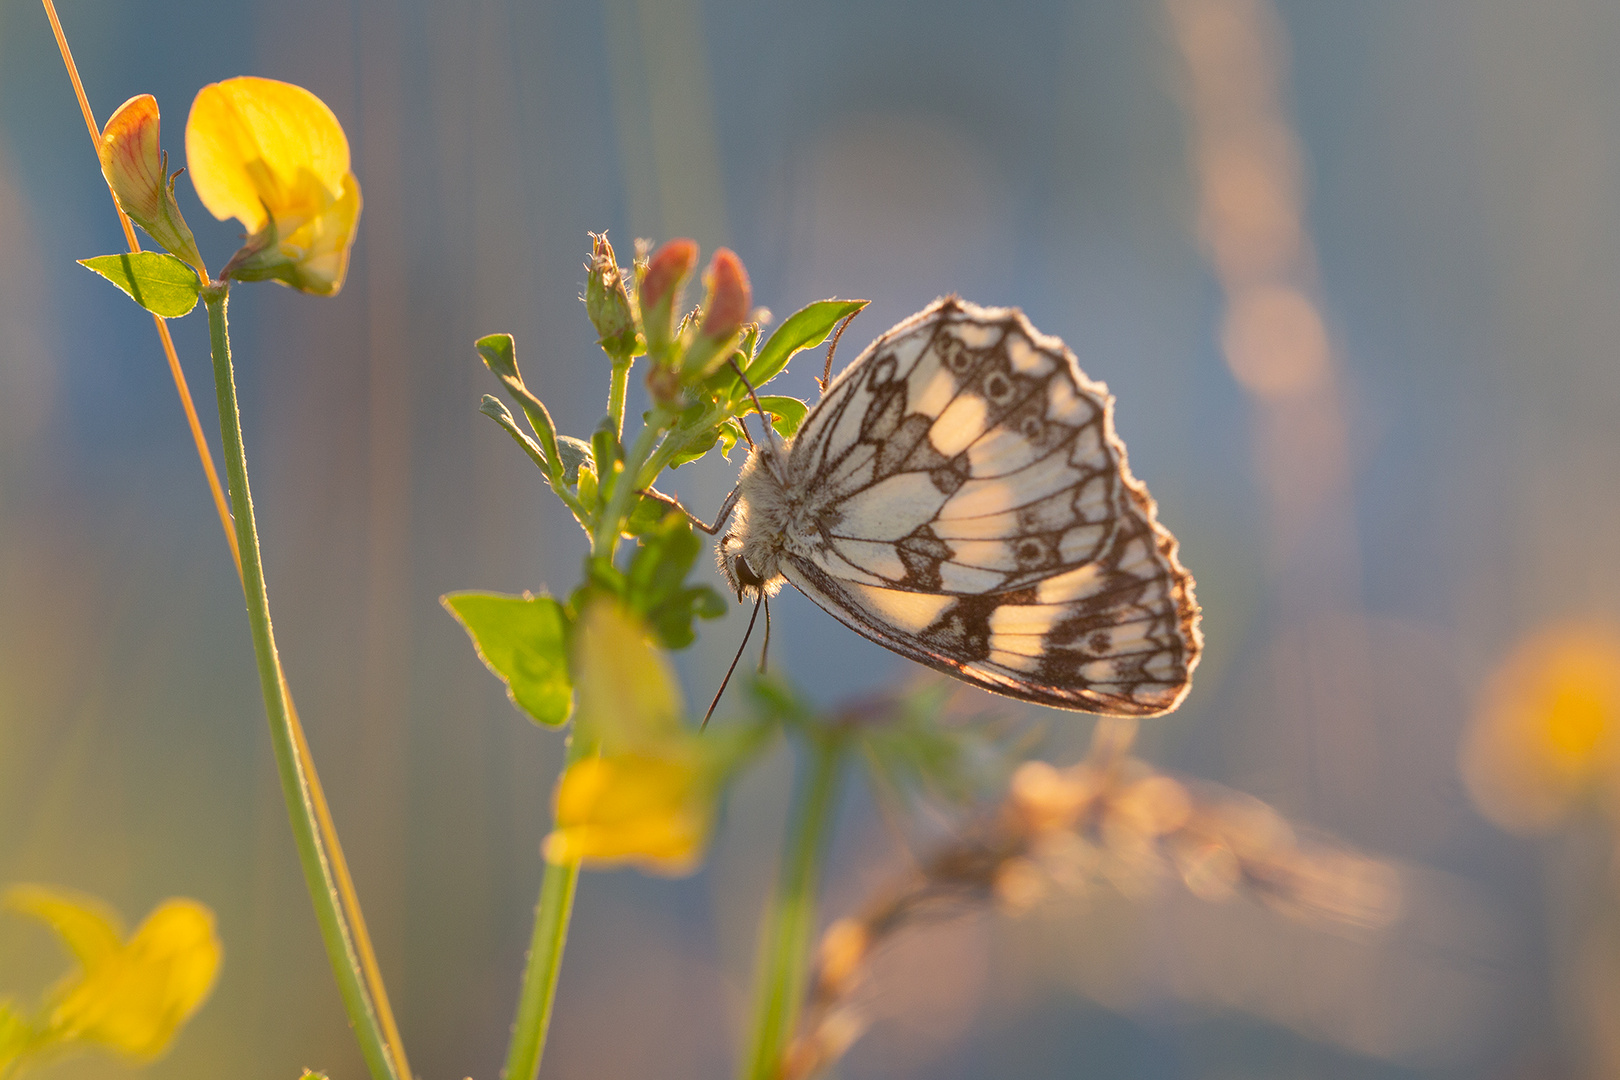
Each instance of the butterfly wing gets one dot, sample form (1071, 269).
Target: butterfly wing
(982, 519)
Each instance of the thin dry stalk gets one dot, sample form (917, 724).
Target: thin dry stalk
(1111, 818)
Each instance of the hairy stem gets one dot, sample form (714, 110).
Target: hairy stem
(302, 811)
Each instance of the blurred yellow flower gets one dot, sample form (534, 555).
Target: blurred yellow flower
(649, 793)
(652, 810)
(273, 156)
(129, 995)
(1545, 740)
(136, 169)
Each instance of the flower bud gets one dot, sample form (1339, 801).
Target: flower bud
(607, 303)
(133, 161)
(661, 289)
(724, 310)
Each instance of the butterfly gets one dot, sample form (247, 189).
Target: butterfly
(959, 495)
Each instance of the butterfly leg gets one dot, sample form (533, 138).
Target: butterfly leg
(697, 523)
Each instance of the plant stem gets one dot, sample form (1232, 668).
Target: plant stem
(295, 784)
(617, 382)
(555, 907)
(790, 916)
(552, 913)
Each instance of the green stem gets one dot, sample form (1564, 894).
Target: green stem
(295, 787)
(605, 539)
(555, 907)
(552, 913)
(617, 383)
(790, 918)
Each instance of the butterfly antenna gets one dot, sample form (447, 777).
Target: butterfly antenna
(723, 682)
(826, 369)
(765, 649)
(763, 415)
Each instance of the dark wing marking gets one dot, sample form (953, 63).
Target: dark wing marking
(981, 518)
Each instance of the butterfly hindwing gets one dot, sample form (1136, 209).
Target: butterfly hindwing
(985, 522)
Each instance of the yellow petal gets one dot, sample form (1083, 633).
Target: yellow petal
(254, 143)
(626, 690)
(652, 810)
(319, 251)
(135, 999)
(89, 928)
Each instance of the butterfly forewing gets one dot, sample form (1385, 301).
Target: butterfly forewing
(974, 511)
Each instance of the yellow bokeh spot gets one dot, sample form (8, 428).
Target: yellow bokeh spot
(1545, 740)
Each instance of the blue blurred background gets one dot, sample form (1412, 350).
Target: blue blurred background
(1372, 526)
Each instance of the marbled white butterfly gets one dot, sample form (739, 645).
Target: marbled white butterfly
(959, 495)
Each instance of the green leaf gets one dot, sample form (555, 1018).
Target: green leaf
(499, 353)
(788, 412)
(646, 516)
(804, 329)
(574, 453)
(655, 583)
(160, 283)
(523, 640)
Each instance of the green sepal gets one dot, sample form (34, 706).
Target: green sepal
(159, 282)
(524, 641)
(804, 329)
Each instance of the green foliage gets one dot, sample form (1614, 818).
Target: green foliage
(804, 329)
(524, 641)
(654, 584)
(160, 283)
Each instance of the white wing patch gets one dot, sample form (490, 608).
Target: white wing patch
(959, 495)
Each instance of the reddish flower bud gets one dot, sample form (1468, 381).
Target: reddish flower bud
(135, 166)
(661, 289)
(724, 309)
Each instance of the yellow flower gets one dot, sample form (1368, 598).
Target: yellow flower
(273, 156)
(130, 995)
(654, 810)
(1545, 740)
(136, 168)
(650, 794)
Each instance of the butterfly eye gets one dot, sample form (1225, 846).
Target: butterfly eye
(745, 574)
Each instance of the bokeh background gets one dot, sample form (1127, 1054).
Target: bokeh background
(1351, 269)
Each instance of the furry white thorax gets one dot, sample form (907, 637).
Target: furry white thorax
(764, 519)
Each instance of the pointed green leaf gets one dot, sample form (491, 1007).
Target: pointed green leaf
(788, 412)
(160, 283)
(524, 641)
(804, 329)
